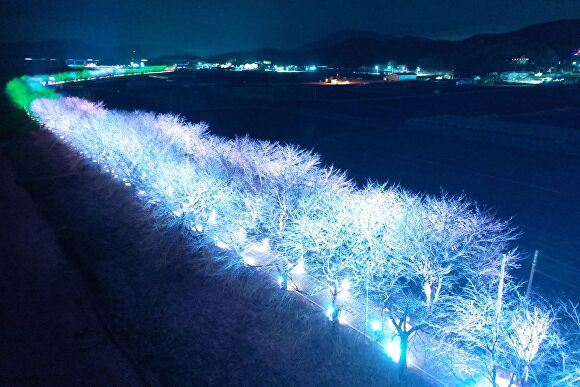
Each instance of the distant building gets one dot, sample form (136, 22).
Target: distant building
(468, 81)
(82, 62)
(399, 77)
(401, 69)
(528, 78)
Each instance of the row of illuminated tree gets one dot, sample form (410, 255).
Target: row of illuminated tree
(438, 268)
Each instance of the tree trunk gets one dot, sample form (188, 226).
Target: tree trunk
(438, 291)
(512, 379)
(404, 343)
(284, 283)
(335, 310)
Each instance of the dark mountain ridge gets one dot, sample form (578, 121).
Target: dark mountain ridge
(544, 44)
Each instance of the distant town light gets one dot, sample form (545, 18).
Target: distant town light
(249, 66)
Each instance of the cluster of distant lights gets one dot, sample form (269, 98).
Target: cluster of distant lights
(92, 64)
(141, 63)
(392, 69)
(525, 78)
(256, 66)
(94, 72)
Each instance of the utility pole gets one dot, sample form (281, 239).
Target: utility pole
(498, 317)
(531, 280)
(500, 288)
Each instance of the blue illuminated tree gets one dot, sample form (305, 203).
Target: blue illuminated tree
(438, 245)
(280, 182)
(477, 321)
(321, 238)
(563, 366)
(376, 212)
(531, 338)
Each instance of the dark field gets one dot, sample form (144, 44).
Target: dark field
(512, 149)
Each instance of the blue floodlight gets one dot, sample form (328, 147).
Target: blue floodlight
(330, 312)
(376, 325)
(393, 349)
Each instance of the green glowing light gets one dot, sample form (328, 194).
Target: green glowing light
(22, 91)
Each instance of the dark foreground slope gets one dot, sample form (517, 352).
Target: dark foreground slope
(172, 311)
(50, 334)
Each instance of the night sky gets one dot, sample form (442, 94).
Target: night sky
(212, 26)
